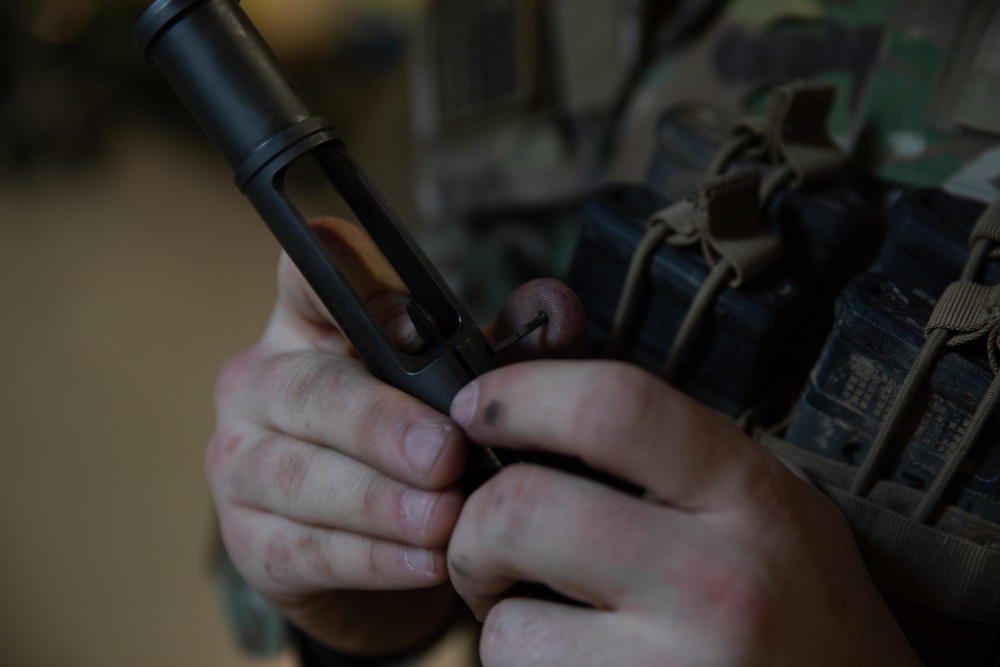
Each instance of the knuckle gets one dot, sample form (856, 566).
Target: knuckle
(279, 465)
(510, 636)
(376, 567)
(294, 562)
(219, 455)
(382, 412)
(295, 382)
(319, 561)
(290, 471)
(382, 427)
(369, 495)
(508, 507)
(373, 562)
(306, 379)
(282, 562)
(318, 555)
(635, 387)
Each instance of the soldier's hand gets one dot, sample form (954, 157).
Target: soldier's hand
(729, 559)
(335, 492)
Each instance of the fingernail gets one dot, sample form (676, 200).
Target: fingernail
(417, 507)
(463, 406)
(419, 560)
(424, 445)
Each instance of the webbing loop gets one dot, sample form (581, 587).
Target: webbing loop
(726, 226)
(722, 218)
(987, 228)
(792, 136)
(966, 311)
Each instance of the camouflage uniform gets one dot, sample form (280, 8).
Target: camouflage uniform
(918, 84)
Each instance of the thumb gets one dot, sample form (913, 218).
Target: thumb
(562, 333)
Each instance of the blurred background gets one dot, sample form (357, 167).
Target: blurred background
(131, 268)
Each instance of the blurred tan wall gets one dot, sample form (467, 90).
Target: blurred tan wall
(122, 289)
(123, 286)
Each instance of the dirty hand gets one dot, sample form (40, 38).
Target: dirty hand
(729, 558)
(335, 492)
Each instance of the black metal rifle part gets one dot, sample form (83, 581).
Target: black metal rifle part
(255, 114)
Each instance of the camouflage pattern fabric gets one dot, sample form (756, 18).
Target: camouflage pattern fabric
(919, 83)
(753, 46)
(925, 121)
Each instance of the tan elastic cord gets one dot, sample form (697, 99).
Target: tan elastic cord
(985, 234)
(704, 298)
(971, 311)
(984, 411)
(733, 241)
(966, 311)
(792, 136)
(928, 354)
(662, 224)
(722, 218)
(741, 141)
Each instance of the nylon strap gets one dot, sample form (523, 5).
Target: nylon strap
(726, 226)
(696, 311)
(721, 217)
(968, 311)
(657, 230)
(792, 136)
(987, 228)
(955, 312)
(984, 411)
(732, 241)
(897, 410)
